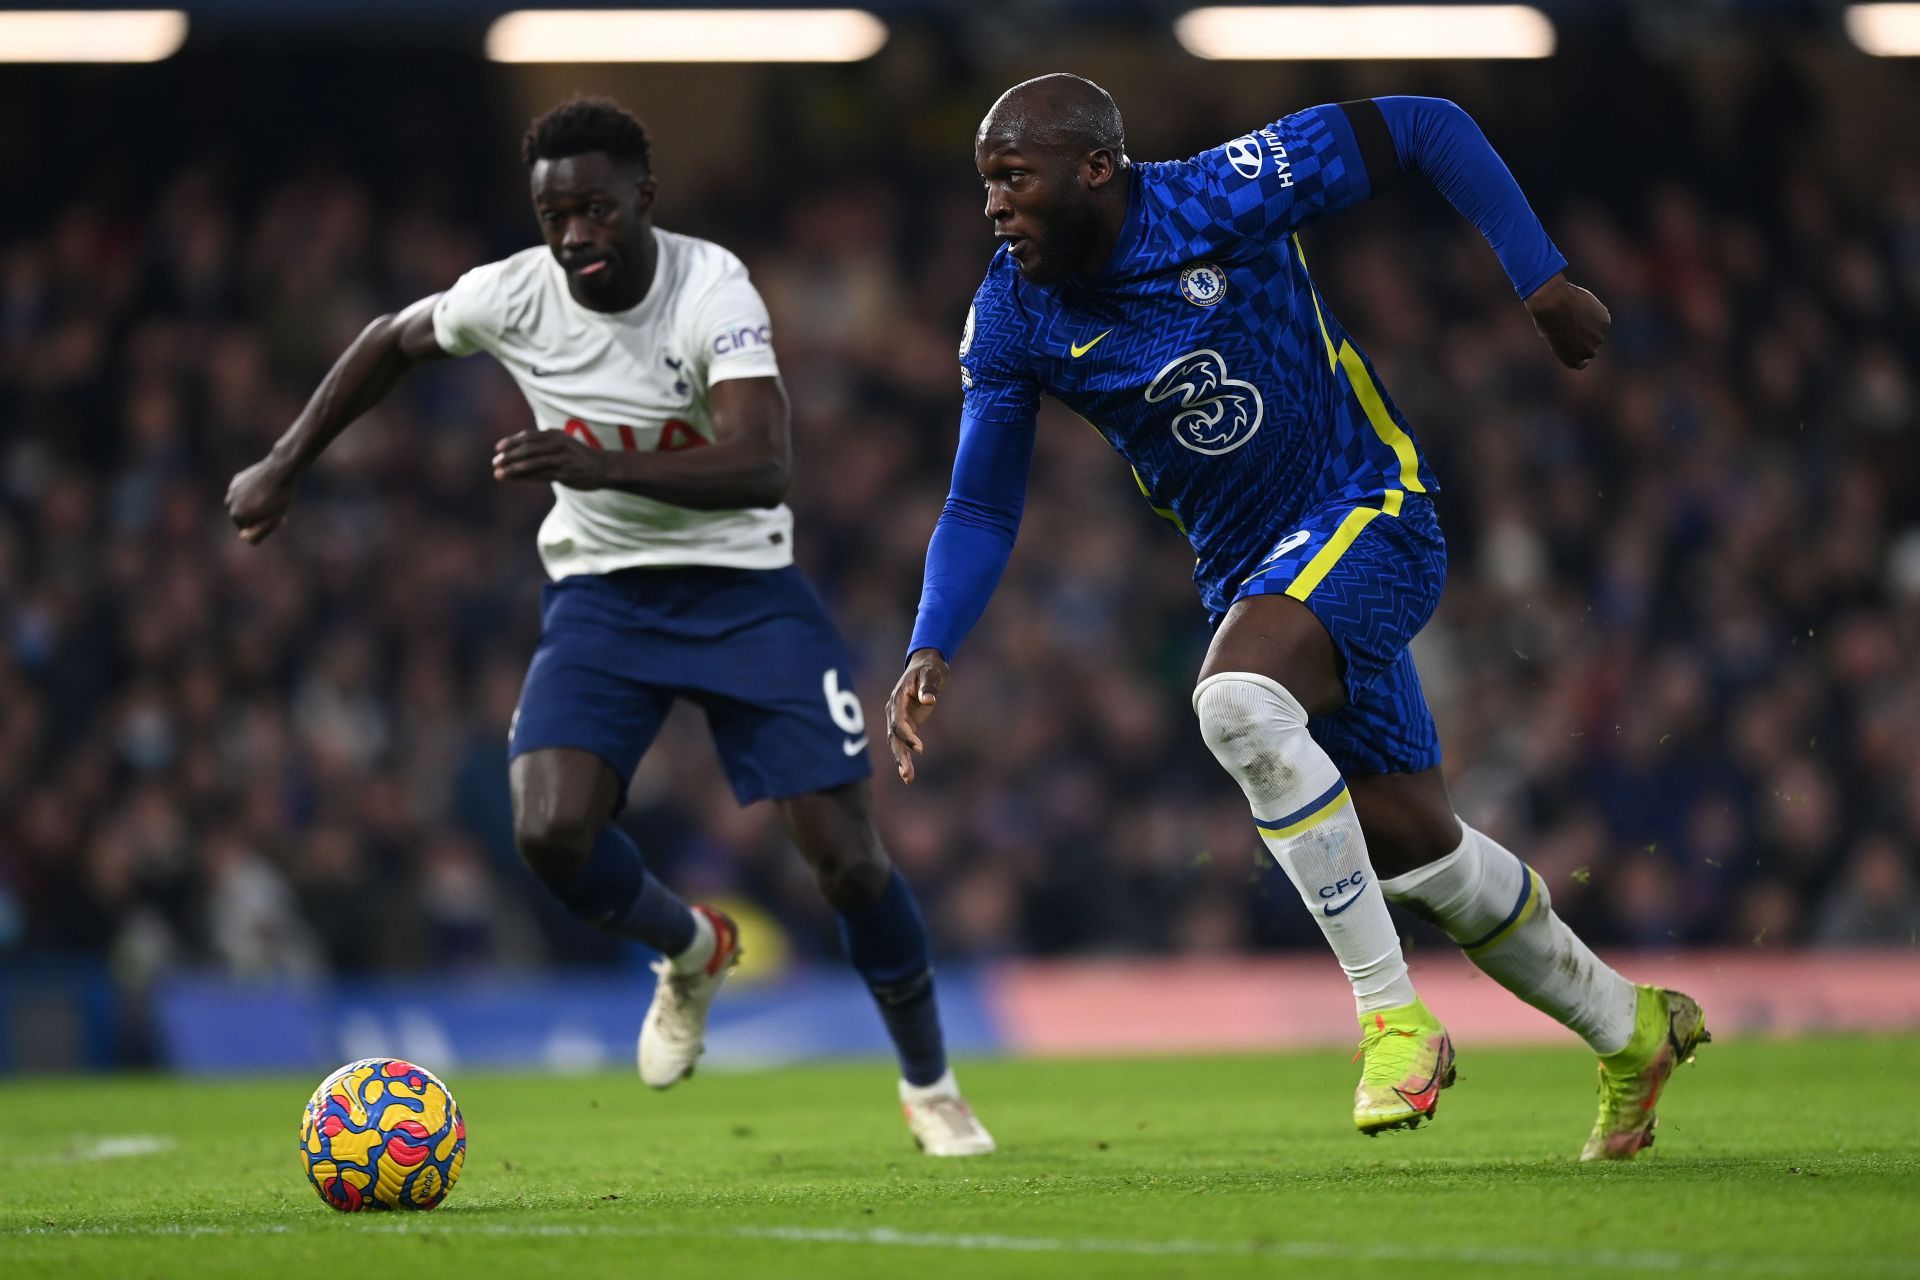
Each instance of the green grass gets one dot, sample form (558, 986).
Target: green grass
(1774, 1159)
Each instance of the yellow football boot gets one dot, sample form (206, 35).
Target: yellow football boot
(1409, 1060)
(1667, 1028)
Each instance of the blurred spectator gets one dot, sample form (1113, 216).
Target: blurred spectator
(1874, 902)
(1675, 666)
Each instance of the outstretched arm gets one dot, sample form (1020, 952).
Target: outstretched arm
(258, 498)
(1307, 166)
(1436, 139)
(746, 466)
(965, 558)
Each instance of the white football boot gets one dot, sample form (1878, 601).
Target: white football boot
(674, 1034)
(942, 1122)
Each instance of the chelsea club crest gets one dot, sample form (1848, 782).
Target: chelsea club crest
(1203, 284)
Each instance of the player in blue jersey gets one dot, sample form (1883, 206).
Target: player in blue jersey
(1170, 306)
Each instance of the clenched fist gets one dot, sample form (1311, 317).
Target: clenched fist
(1572, 320)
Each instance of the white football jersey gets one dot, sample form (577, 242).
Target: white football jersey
(634, 379)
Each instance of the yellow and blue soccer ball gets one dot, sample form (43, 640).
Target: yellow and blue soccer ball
(382, 1133)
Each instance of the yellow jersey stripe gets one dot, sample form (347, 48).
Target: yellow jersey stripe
(1365, 391)
(1309, 822)
(1383, 424)
(1165, 513)
(1333, 357)
(1343, 537)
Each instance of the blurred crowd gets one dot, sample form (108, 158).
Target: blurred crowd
(1674, 667)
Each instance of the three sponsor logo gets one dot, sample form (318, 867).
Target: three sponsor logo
(1213, 413)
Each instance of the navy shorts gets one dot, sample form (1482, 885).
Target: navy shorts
(1372, 572)
(752, 647)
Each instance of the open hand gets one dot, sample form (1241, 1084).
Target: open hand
(551, 456)
(1572, 320)
(258, 499)
(912, 702)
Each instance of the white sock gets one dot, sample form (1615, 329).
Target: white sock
(945, 1087)
(699, 952)
(1497, 909)
(1258, 731)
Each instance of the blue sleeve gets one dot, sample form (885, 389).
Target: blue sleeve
(995, 384)
(1267, 184)
(1437, 140)
(975, 534)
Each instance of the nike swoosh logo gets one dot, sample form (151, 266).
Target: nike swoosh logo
(853, 748)
(1334, 911)
(1422, 1101)
(1080, 349)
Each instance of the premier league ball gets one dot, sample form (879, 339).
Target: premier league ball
(382, 1134)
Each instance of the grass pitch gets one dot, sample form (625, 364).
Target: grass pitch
(1793, 1159)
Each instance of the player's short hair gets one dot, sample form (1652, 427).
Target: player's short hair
(1063, 111)
(583, 124)
(1090, 119)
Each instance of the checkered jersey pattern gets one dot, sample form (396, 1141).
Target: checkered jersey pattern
(1235, 405)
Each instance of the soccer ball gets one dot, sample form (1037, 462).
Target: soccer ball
(382, 1133)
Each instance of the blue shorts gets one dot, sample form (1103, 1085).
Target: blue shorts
(1371, 572)
(752, 647)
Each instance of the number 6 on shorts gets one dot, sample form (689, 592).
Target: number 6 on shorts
(842, 704)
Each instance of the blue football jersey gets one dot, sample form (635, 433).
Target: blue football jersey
(1203, 353)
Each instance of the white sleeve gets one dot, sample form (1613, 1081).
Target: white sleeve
(467, 318)
(732, 333)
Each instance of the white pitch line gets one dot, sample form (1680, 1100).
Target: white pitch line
(1661, 1261)
(115, 1147)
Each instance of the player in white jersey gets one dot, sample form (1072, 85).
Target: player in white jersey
(661, 424)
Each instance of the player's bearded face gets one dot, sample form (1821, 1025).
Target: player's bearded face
(1067, 240)
(1042, 211)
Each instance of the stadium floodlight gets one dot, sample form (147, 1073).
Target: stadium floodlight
(1885, 30)
(91, 35)
(1357, 32)
(685, 35)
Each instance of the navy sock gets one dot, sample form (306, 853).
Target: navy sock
(616, 892)
(887, 943)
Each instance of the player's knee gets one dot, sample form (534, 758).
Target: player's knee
(1243, 718)
(835, 834)
(1407, 837)
(555, 844)
(851, 877)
